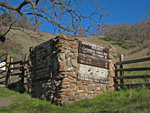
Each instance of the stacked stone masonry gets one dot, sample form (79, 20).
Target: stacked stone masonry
(55, 72)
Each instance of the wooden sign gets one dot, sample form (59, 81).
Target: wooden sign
(92, 61)
(93, 50)
(93, 55)
(95, 74)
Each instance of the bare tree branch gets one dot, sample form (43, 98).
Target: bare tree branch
(8, 6)
(7, 30)
(37, 1)
(56, 11)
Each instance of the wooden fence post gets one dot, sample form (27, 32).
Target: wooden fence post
(115, 80)
(121, 72)
(7, 68)
(11, 71)
(23, 72)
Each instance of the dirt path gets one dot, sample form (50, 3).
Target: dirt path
(6, 101)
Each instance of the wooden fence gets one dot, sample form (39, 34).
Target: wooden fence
(13, 68)
(120, 76)
(3, 64)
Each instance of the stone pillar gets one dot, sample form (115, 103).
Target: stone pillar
(68, 68)
(112, 61)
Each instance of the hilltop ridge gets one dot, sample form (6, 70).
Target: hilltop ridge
(18, 42)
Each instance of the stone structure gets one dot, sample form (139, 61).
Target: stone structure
(57, 75)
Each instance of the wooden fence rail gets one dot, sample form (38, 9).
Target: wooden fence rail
(133, 61)
(17, 62)
(2, 66)
(2, 72)
(13, 68)
(132, 77)
(120, 77)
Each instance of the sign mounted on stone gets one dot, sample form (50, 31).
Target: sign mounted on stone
(93, 55)
(95, 74)
(93, 62)
(93, 50)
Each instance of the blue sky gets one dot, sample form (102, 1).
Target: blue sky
(125, 11)
(121, 11)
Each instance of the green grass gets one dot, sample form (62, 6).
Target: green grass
(6, 93)
(126, 44)
(125, 101)
(121, 49)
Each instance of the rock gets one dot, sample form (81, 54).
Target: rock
(74, 63)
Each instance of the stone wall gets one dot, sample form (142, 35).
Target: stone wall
(55, 72)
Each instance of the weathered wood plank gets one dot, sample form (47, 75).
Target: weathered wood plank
(94, 50)
(3, 66)
(90, 73)
(132, 85)
(2, 72)
(133, 77)
(102, 81)
(16, 68)
(17, 62)
(41, 79)
(92, 61)
(133, 61)
(2, 77)
(42, 45)
(14, 74)
(25, 62)
(3, 60)
(134, 69)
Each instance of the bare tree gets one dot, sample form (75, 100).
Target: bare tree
(64, 15)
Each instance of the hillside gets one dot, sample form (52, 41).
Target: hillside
(143, 50)
(18, 41)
